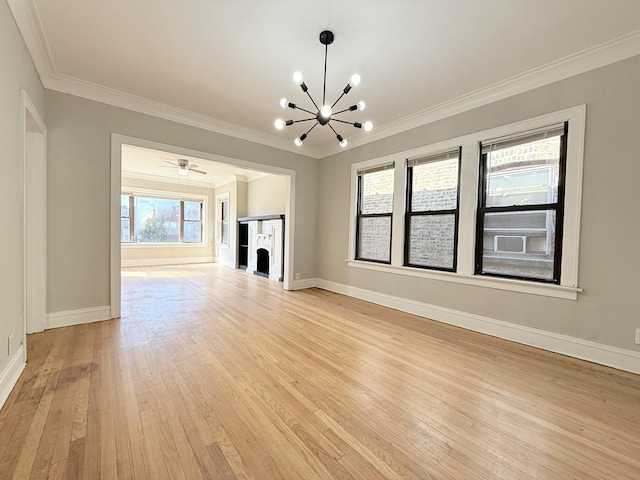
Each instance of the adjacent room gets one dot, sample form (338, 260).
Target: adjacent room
(330, 240)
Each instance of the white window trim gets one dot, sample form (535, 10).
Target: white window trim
(149, 192)
(221, 197)
(468, 188)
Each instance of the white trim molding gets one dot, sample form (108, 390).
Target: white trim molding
(609, 356)
(305, 283)
(78, 317)
(28, 21)
(11, 373)
(144, 262)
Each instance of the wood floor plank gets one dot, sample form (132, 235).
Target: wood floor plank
(218, 375)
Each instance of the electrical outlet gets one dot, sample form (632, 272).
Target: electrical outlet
(297, 276)
(638, 336)
(10, 344)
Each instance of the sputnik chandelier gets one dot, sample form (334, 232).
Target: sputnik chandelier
(325, 114)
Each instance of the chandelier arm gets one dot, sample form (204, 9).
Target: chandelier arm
(304, 120)
(339, 98)
(342, 121)
(314, 126)
(312, 101)
(334, 130)
(304, 110)
(350, 109)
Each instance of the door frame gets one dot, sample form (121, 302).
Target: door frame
(34, 197)
(118, 140)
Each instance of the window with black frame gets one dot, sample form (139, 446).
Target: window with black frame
(431, 217)
(375, 212)
(521, 205)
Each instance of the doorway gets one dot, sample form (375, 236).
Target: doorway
(34, 202)
(120, 143)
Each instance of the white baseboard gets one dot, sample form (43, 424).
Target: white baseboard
(619, 358)
(166, 261)
(78, 317)
(11, 373)
(305, 283)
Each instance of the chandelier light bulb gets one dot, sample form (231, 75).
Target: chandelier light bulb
(279, 123)
(284, 103)
(325, 111)
(361, 105)
(297, 77)
(355, 80)
(343, 143)
(367, 126)
(298, 142)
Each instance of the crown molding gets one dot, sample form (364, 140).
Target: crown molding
(600, 56)
(170, 181)
(28, 21)
(79, 88)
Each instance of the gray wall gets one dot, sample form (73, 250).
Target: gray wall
(267, 195)
(79, 187)
(607, 311)
(16, 73)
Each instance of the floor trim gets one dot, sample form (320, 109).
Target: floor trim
(78, 317)
(11, 373)
(609, 356)
(166, 261)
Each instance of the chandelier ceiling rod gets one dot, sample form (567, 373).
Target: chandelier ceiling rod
(324, 114)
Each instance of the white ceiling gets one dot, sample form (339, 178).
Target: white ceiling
(149, 164)
(229, 62)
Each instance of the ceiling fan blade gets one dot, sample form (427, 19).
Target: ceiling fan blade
(197, 171)
(191, 166)
(171, 163)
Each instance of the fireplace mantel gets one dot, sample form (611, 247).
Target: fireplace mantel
(261, 245)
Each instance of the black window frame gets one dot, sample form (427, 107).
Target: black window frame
(360, 215)
(409, 213)
(558, 207)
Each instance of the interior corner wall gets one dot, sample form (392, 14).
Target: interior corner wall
(179, 253)
(606, 312)
(267, 195)
(78, 191)
(17, 73)
(237, 190)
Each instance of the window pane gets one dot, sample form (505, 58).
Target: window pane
(224, 210)
(192, 232)
(432, 240)
(376, 194)
(374, 240)
(225, 233)
(157, 220)
(124, 206)
(435, 185)
(521, 244)
(524, 174)
(125, 234)
(192, 211)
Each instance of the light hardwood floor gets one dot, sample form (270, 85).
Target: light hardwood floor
(215, 374)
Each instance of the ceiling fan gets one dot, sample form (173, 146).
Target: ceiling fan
(185, 167)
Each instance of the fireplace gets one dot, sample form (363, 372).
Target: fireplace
(261, 245)
(262, 262)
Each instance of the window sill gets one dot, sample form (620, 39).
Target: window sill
(164, 245)
(520, 286)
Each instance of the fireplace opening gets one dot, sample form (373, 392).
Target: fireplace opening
(263, 262)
